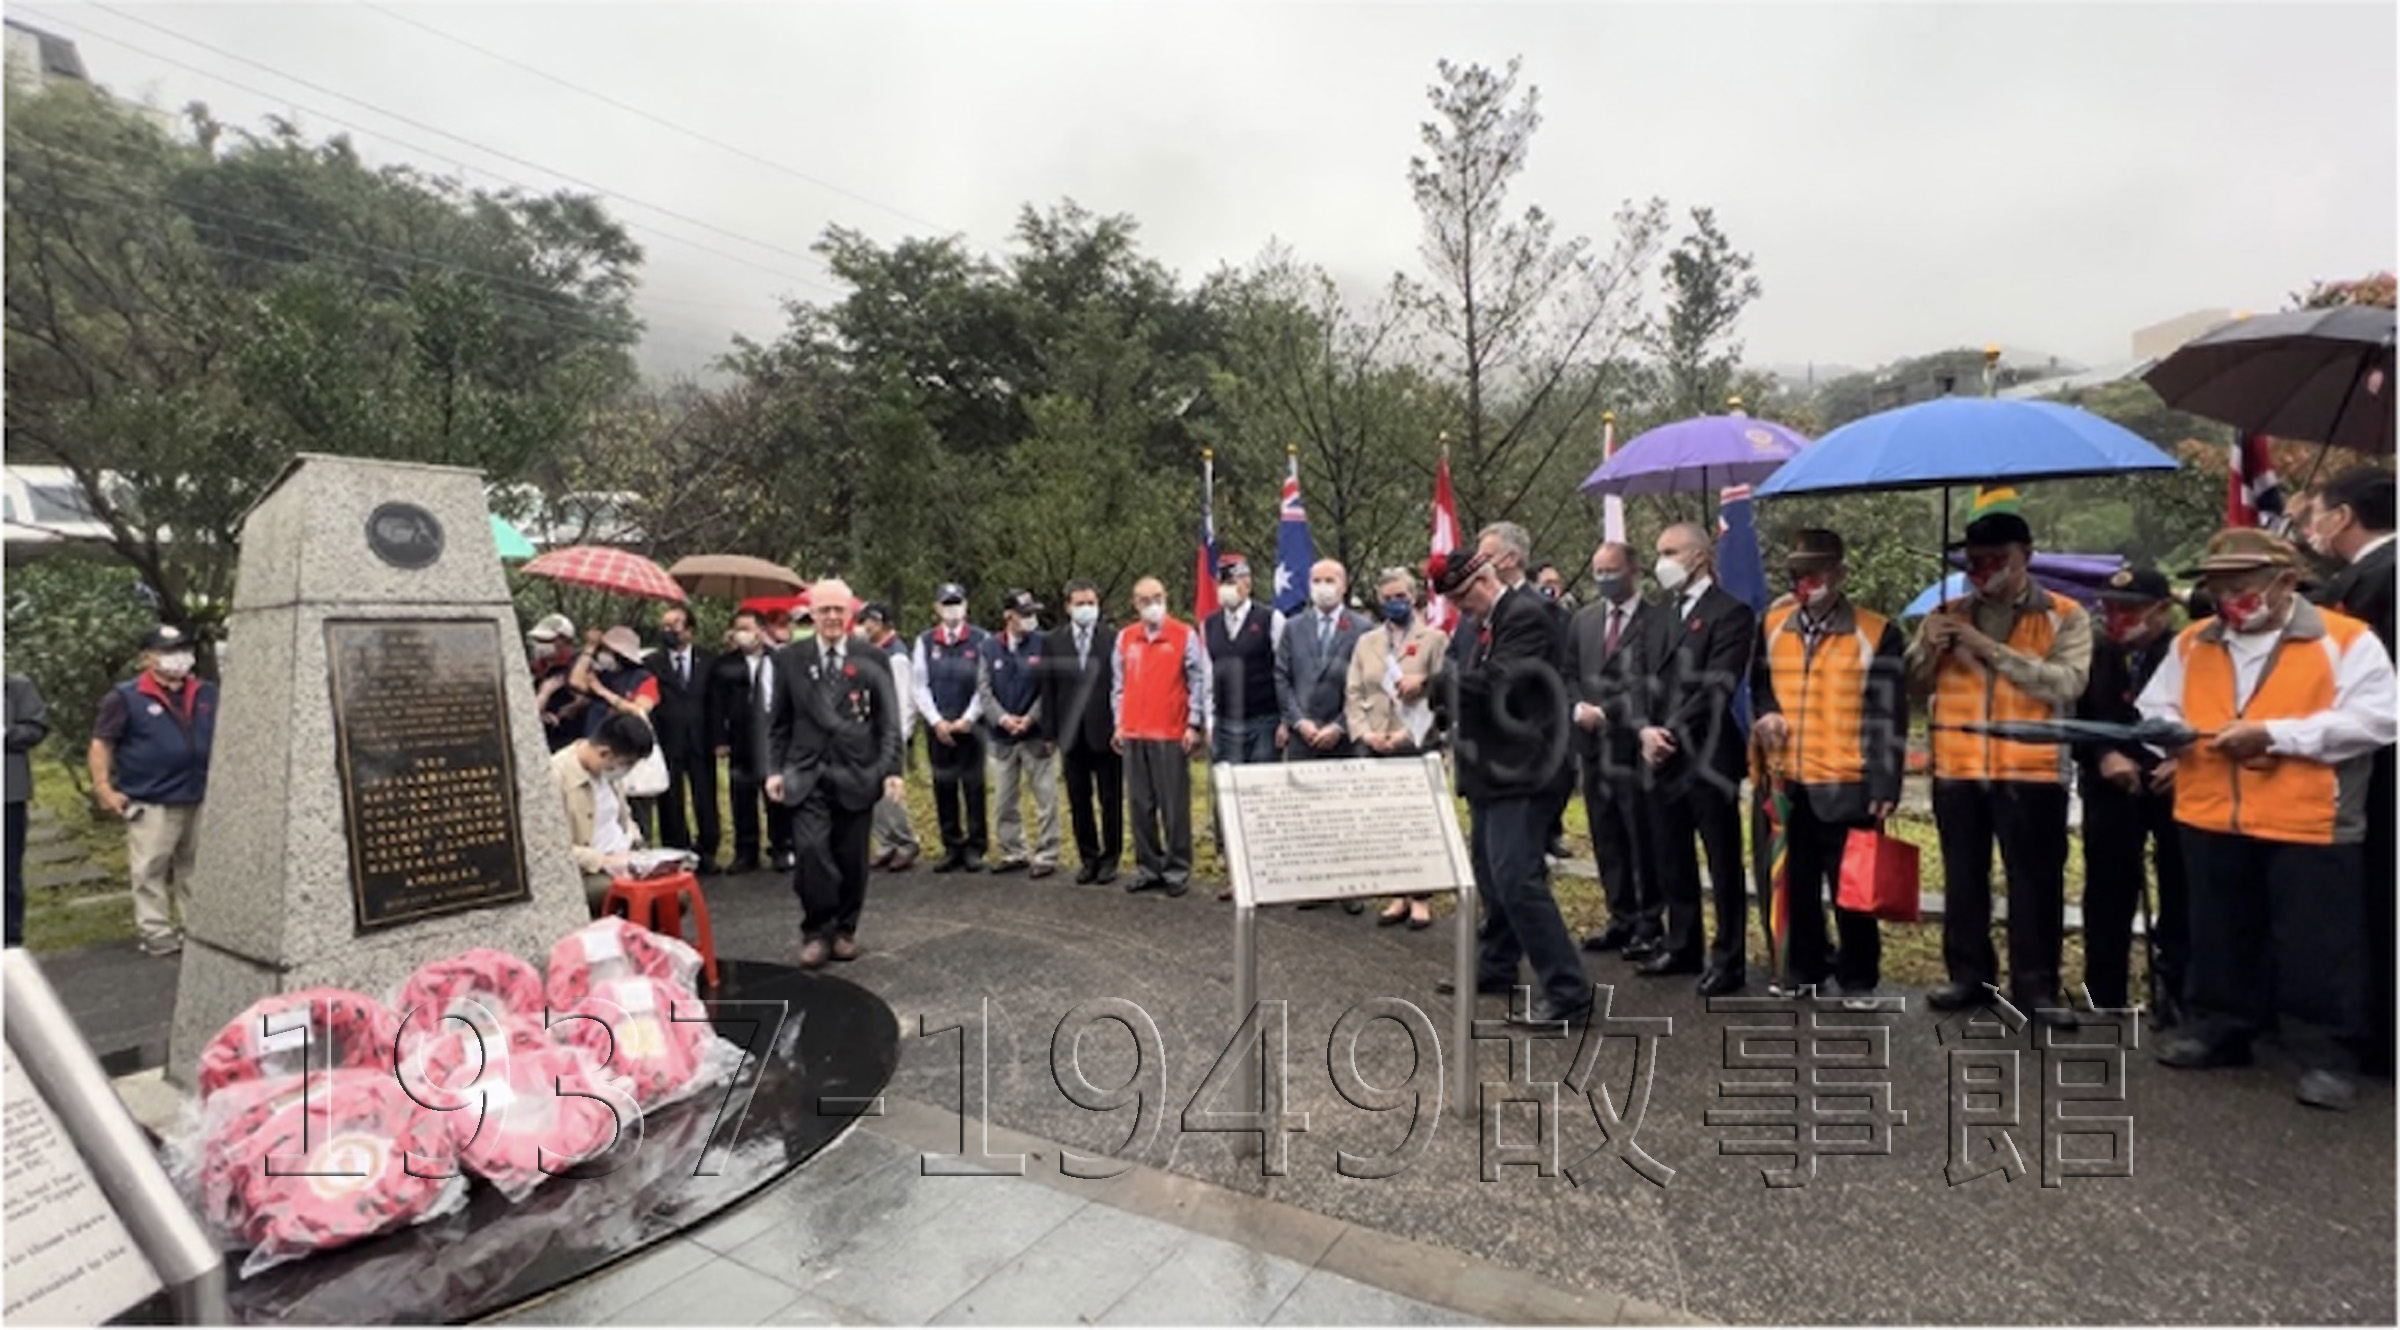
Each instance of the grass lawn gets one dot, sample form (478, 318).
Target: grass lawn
(62, 918)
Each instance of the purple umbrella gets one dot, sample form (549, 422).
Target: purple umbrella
(2078, 577)
(1701, 455)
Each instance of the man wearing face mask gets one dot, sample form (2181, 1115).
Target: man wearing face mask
(1505, 691)
(683, 726)
(2009, 650)
(1242, 637)
(589, 776)
(744, 680)
(1553, 586)
(1604, 668)
(2291, 702)
(894, 829)
(1075, 696)
(2129, 803)
(1832, 714)
(1023, 752)
(1692, 751)
(1312, 666)
(1159, 699)
(951, 659)
(149, 765)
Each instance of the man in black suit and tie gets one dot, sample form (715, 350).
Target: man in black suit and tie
(740, 687)
(685, 730)
(1692, 750)
(1075, 696)
(833, 743)
(1508, 700)
(1604, 662)
(2352, 522)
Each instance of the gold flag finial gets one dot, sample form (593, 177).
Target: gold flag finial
(1991, 354)
(1207, 454)
(1608, 417)
(1291, 450)
(1733, 403)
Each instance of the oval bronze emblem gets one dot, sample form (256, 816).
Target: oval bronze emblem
(404, 535)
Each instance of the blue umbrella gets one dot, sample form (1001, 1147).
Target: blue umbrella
(1964, 441)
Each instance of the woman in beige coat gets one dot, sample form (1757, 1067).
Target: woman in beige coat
(1387, 711)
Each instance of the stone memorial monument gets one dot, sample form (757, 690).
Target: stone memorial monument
(379, 795)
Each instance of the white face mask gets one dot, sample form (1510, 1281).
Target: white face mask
(1325, 595)
(605, 661)
(1671, 573)
(954, 615)
(1234, 594)
(1023, 627)
(175, 664)
(1154, 613)
(1084, 615)
(745, 639)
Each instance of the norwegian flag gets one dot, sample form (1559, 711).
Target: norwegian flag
(2253, 494)
(1439, 611)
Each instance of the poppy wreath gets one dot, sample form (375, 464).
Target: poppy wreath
(539, 1106)
(343, 1030)
(504, 985)
(632, 1033)
(609, 949)
(353, 1133)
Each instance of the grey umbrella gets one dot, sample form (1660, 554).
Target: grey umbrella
(2320, 375)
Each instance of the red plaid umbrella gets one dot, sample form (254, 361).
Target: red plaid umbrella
(605, 569)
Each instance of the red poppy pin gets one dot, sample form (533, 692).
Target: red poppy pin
(849, 671)
(970, 653)
(1694, 625)
(1412, 650)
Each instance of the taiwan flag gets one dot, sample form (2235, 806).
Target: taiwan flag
(1204, 579)
(1295, 548)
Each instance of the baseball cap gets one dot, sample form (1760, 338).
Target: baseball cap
(1021, 602)
(165, 637)
(950, 593)
(875, 611)
(1996, 529)
(552, 628)
(2135, 586)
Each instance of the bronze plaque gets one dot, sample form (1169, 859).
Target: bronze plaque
(429, 780)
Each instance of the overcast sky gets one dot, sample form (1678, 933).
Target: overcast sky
(1909, 176)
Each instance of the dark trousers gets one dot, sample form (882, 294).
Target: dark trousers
(1621, 836)
(16, 873)
(1158, 776)
(2117, 828)
(1520, 917)
(831, 875)
(748, 797)
(2275, 935)
(693, 780)
(2378, 1044)
(1702, 808)
(2029, 819)
(958, 794)
(1813, 848)
(1096, 779)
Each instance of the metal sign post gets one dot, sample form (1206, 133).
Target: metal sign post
(1417, 850)
(43, 1039)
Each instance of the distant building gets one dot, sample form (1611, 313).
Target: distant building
(42, 57)
(2158, 340)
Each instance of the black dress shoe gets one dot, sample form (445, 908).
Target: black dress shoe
(786, 862)
(1640, 949)
(1087, 875)
(1141, 883)
(949, 865)
(1354, 907)
(1547, 1013)
(974, 864)
(1720, 981)
(1557, 848)
(1108, 874)
(2053, 1012)
(1665, 964)
(1007, 866)
(2191, 1053)
(1449, 987)
(1177, 887)
(742, 865)
(1611, 938)
(1957, 996)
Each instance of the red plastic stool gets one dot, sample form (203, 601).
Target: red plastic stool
(656, 903)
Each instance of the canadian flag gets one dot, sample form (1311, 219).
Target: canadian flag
(1612, 508)
(1439, 611)
(2253, 494)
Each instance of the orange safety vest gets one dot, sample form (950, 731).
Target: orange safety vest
(2286, 799)
(1157, 699)
(1966, 690)
(1823, 698)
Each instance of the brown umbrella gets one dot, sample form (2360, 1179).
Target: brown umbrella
(735, 577)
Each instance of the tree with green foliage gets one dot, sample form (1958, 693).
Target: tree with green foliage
(1708, 285)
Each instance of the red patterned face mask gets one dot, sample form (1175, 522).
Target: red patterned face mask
(2124, 624)
(2244, 612)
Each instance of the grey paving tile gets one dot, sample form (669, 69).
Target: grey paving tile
(805, 1310)
(1209, 1282)
(886, 1208)
(722, 1292)
(1325, 1298)
(598, 1298)
(989, 1222)
(1077, 1271)
(856, 1155)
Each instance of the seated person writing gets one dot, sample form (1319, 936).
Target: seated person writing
(589, 774)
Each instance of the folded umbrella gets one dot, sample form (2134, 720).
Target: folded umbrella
(2165, 735)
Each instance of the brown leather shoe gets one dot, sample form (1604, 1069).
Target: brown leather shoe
(812, 954)
(901, 861)
(845, 948)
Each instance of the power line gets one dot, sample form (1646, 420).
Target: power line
(503, 155)
(656, 119)
(388, 137)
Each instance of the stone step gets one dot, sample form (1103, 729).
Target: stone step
(103, 898)
(59, 851)
(49, 833)
(67, 875)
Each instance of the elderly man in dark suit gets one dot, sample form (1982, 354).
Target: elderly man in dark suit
(684, 728)
(833, 743)
(2352, 521)
(1508, 699)
(1603, 669)
(1692, 660)
(1312, 674)
(1075, 696)
(740, 687)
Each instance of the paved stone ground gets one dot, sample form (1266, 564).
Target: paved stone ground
(2243, 1206)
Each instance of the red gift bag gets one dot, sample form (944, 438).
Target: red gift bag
(1879, 877)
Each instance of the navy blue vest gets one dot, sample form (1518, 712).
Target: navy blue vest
(160, 760)
(950, 670)
(1244, 668)
(1016, 675)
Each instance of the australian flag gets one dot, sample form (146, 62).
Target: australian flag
(1295, 548)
